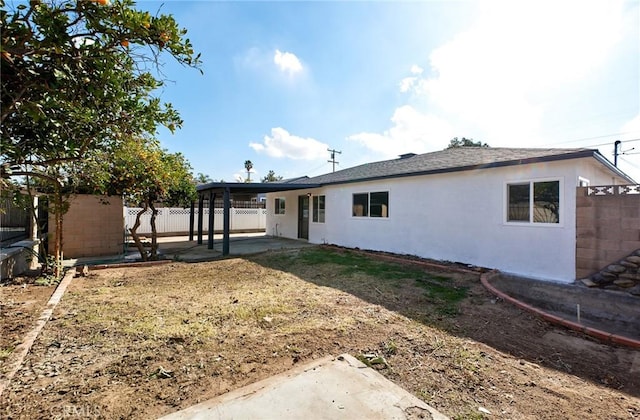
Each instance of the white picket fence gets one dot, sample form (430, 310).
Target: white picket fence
(175, 220)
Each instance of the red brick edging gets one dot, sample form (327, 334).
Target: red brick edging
(554, 319)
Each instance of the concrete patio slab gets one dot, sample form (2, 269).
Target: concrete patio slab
(180, 248)
(328, 388)
(241, 244)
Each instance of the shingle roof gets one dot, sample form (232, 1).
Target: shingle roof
(449, 160)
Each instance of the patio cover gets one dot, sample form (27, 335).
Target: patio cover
(226, 189)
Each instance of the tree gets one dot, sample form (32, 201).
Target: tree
(464, 142)
(79, 77)
(271, 177)
(248, 165)
(145, 174)
(202, 179)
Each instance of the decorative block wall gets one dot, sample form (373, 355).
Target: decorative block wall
(607, 226)
(91, 227)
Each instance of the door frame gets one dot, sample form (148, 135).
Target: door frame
(303, 222)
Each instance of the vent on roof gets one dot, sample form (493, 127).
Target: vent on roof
(407, 155)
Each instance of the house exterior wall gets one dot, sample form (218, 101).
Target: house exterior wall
(455, 216)
(91, 228)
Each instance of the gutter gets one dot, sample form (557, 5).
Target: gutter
(611, 167)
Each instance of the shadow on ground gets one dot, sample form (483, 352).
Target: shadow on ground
(479, 315)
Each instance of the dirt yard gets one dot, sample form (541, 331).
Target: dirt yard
(144, 342)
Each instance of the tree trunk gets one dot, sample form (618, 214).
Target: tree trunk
(57, 249)
(154, 234)
(134, 233)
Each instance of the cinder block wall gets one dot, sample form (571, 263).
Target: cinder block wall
(607, 229)
(91, 228)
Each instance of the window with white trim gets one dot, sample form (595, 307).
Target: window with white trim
(318, 208)
(533, 202)
(279, 206)
(375, 204)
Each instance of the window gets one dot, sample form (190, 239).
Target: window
(379, 204)
(279, 207)
(318, 208)
(361, 205)
(534, 202)
(375, 204)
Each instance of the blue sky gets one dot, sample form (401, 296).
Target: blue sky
(285, 81)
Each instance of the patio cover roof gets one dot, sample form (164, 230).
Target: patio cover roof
(251, 187)
(226, 189)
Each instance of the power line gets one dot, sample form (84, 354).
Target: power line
(592, 138)
(609, 143)
(630, 163)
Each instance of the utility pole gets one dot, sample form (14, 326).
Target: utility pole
(333, 157)
(615, 152)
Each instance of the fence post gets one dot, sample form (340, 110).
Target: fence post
(200, 217)
(191, 220)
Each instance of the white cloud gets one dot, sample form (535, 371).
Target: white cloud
(497, 79)
(412, 132)
(287, 62)
(409, 83)
(282, 144)
(631, 130)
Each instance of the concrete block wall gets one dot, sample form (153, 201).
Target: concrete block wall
(607, 227)
(91, 227)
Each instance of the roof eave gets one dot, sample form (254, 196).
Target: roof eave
(514, 162)
(603, 160)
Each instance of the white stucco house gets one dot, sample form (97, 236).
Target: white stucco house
(503, 208)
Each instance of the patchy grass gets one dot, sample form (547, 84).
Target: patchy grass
(144, 342)
(6, 352)
(366, 272)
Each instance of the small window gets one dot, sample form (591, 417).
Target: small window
(279, 207)
(546, 202)
(361, 205)
(318, 208)
(375, 204)
(534, 202)
(379, 206)
(518, 203)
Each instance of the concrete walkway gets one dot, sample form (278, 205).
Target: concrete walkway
(329, 388)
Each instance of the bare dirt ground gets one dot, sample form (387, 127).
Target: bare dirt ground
(144, 342)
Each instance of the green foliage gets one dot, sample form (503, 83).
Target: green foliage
(80, 78)
(248, 165)
(202, 178)
(271, 177)
(76, 75)
(464, 142)
(141, 171)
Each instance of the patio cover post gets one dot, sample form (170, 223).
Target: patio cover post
(200, 211)
(212, 200)
(191, 219)
(226, 217)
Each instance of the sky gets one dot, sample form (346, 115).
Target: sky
(284, 82)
